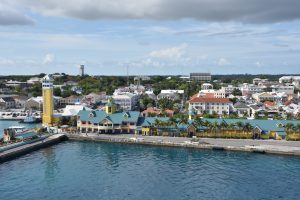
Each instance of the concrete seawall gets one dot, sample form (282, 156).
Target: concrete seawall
(27, 148)
(254, 146)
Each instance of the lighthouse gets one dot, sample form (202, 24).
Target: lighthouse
(47, 84)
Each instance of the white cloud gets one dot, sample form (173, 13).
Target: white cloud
(259, 64)
(49, 58)
(169, 53)
(223, 62)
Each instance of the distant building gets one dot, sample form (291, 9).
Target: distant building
(229, 89)
(295, 80)
(249, 89)
(242, 109)
(7, 103)
(211, 93)
(206, 86)
(283, 88)
(202, 77)
(126, 101)
(202, 105)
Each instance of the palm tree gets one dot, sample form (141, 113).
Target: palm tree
(240, 125)
(289, 126)
(298, 127)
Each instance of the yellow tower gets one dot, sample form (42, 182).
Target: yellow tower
(47, 84)
(110, 107)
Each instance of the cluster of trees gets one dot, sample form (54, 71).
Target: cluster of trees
(199, 122)
(292, 127)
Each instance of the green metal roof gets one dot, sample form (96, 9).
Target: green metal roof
(116, 118)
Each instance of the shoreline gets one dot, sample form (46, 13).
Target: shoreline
(290, 148)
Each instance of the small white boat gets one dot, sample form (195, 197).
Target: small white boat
(18, 129)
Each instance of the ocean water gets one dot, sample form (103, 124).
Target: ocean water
(87, 170)
(5, 124)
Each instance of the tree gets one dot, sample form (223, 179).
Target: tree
(165, 103)
(240, 125)
(57, 92)
(237, 92)
(289, 126)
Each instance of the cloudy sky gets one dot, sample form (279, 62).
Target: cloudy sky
(149, 36)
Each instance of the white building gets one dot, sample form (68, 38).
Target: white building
(295, 80)
(249, 89)
(229, 89)
(126, 101)
(211, 93)
(172, 91)
(201, 105)
(283, 88)
(206, 86)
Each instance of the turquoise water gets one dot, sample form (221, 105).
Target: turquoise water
(5, 124)
(86, 171)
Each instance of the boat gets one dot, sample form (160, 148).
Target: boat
(31, 118)
(19, 129)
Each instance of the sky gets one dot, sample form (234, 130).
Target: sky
(150, 37)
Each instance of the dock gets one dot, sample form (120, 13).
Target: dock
(27, 148)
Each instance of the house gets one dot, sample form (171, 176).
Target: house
(171, 96)
(242, 109)
(34, 80)
(71, 100)
(96, 97)
(34, 103)
(204, 105)
(156, 111)
(7, 103)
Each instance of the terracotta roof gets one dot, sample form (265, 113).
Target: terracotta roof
(209, 100)
(269, 103)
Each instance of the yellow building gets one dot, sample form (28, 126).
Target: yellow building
(48, 106)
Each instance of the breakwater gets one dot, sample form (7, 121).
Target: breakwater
(254, 146)
(32, 146)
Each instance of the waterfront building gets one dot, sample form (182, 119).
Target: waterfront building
(108, 121)
(48, 105)
(201, 77)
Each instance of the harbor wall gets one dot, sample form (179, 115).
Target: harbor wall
(27, 148)
(185, 144)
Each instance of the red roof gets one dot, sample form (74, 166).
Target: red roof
(269, 104)
(209, 100)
